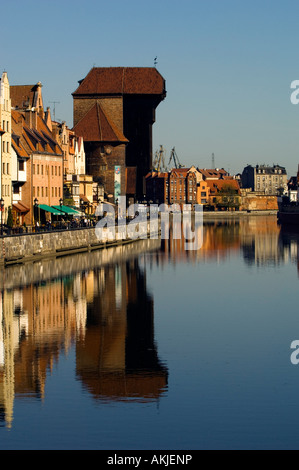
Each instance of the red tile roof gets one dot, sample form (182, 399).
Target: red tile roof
(95, 126)
(18, 147)
(32, 139)
(213, 173)
(122, 80)
(23, 96)
(219, 185)
(155, 174)
(2, 131)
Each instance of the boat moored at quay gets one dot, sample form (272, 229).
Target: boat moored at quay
(288, 211)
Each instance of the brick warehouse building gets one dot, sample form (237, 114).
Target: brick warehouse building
(114, 111)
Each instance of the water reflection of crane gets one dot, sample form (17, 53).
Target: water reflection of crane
(159, 160)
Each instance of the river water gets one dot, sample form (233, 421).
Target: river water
(151, 346)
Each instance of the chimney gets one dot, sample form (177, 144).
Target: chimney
(48, 119)
(31, 118)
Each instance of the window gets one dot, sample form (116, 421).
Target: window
(34, 169)
(42, 169)
(7, 167)
(38, 169)
(21, 165)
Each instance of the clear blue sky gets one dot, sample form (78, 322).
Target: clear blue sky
(228, 66)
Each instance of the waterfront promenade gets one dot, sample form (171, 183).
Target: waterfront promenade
(31, 247)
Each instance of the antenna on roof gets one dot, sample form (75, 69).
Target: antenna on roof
(54, 102)
(155, 61)
(213, 161)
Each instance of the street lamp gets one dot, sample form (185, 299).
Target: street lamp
(36, 210)
(82, 205)
(1, 208)
(61, 202)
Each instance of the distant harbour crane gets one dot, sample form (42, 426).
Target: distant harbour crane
(159, 160)
(175, 158)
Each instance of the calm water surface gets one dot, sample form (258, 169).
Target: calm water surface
(149, 346)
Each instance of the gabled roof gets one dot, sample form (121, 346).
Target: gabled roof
(121, 81)
(182, 172)
(95, 126)
(24, 96)
(33, 139)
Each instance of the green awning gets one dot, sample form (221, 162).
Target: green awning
(46, 208)
(67, 210)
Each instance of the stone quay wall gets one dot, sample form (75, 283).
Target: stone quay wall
(34, 246)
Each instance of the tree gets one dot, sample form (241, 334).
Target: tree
(9, 217)
(228, 197)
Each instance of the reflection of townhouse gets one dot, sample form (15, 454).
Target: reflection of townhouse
(259, 240)
(13, 328)
(47, 315)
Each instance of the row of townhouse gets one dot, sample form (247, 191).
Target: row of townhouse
(42, 161)
(214, 189)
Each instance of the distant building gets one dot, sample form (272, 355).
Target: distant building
(157, 187)
(224, 194)
(178, 186)
(264, 178)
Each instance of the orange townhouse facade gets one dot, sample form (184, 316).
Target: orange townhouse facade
(44, 168)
